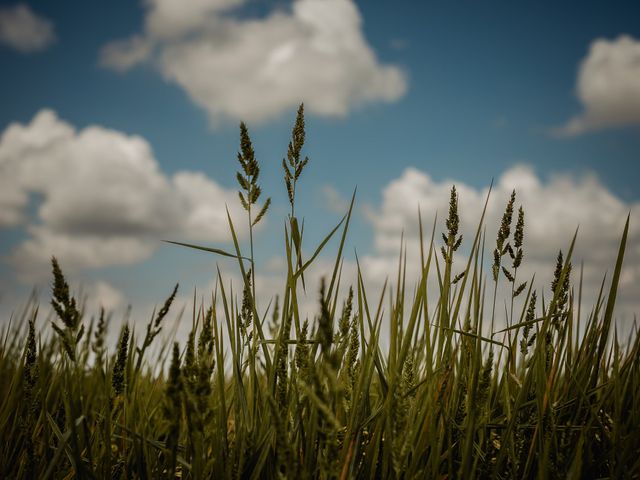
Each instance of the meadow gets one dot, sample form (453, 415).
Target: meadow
(261, 391)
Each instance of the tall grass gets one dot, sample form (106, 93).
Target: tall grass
(265, 393)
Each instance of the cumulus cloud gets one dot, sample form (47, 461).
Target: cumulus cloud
(99, 195)
(121, 55)
(553, 210)
(255, 69)
(608, 86)
(24, 30)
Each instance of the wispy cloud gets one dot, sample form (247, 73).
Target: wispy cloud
(24, 30)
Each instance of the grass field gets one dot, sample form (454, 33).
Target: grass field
(270, 394)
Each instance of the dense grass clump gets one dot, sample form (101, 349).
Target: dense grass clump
(264, 393)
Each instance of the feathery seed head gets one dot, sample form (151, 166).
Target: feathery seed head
(248, 176)
(30, 360)
(453, 224)
(301, 355)
(346, 315)
(63, 303)
(558, 271)
(503, 235)
(457, 278)
(508, 274)
(529, 317)
(520, 289)
(518, 236)
(246, 312)
(99, 336)
(165, 308)
(453, 221)
(505, 225)
(496, 264)
(205, 341)
(118, 382)
(293, 166)
(354, 349)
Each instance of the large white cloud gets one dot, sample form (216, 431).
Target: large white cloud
(24, 30)
(608, 86)
(254, 69)
(553, 210)
(100, 195)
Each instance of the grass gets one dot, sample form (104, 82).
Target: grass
(265, 393)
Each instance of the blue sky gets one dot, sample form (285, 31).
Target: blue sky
(400, 96)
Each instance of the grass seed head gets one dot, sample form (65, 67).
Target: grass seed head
(66, 309)
(250, 191)
(246, 310)
(165, 307)
(453, 221)
(345, 318)
(118, 380)
(301, 355)
(99, 337)
(505, 225)
(518, 235)
(293, 166)
(529, 317)
(30, 373)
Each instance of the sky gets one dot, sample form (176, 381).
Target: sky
(119, 128)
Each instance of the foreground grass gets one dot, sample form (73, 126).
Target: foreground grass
(268, 394)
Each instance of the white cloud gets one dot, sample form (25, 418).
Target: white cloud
(553, 211)
(608, 86)
(25, 31)
(255, 69)
(102, 198)
(121, 55)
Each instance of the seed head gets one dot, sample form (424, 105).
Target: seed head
(246, 311)
(301, 356)
(247, 177)
(63, 303)
(325, 327)
(352, 356)
(30, 364)
(529, 317)
(505, 225)
(453, 221)
(346, 315)
(293, 166)
(118, 382)
(518, 236)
